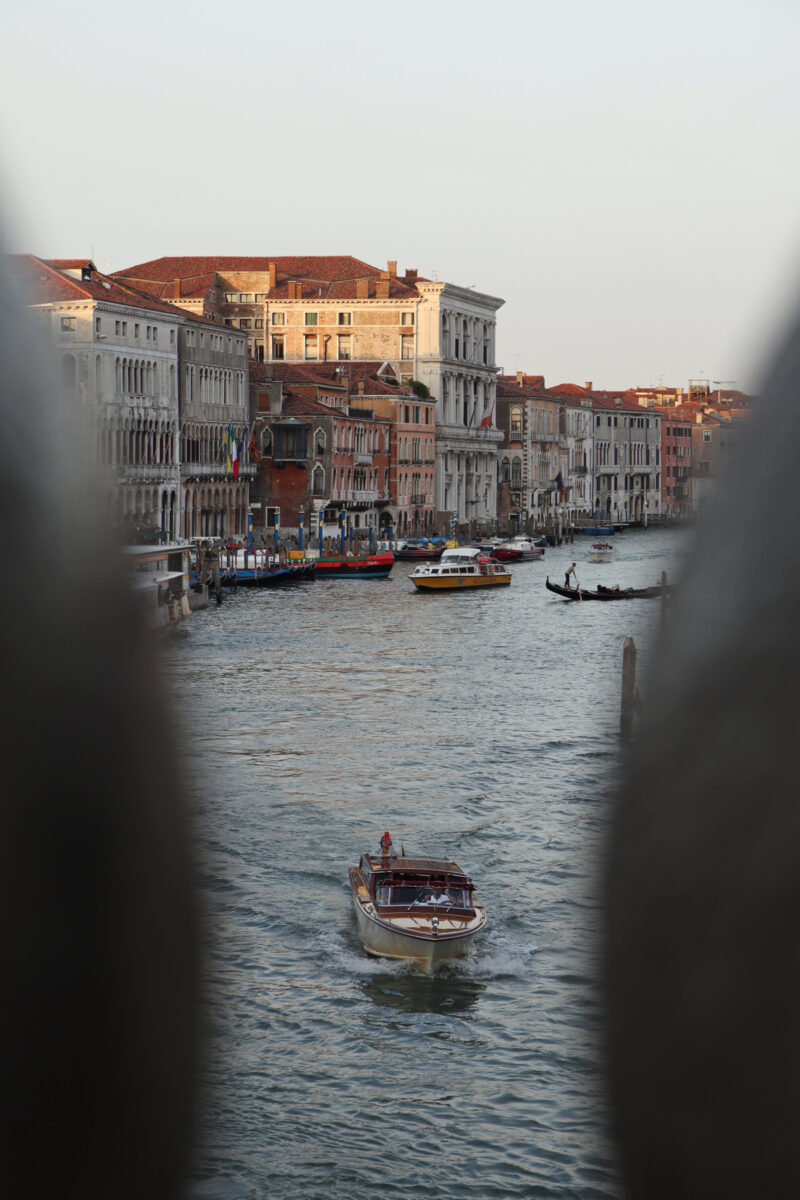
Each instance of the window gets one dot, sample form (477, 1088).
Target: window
(69, 324)
(290, 443)
(310, 347)
(259, 323)
(706, 435)
(245, 323)
(311, 318)
(279, 318)
(516, 421)
(345, 350)
(406, 348)
(230, 297)
(345, 318)
(245, 297)
(406, 318)
(228, 321)
(149, 332)
(97, 325)
(172, 337)
(260, 297)
(277, 347)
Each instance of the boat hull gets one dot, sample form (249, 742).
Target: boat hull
(579, 594)
(363, 566)
(384, 939)
(457, 583)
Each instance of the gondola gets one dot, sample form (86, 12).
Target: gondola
(604, 593)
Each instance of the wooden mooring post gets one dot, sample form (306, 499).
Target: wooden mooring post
(628, 688)
(664, 599)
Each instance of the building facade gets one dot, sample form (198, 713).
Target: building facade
(154, 386)
(342, 310)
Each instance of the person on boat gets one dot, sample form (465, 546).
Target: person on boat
(570, 572)
(442, 898)
(386, 844)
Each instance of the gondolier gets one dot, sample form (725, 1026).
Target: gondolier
(567, 574)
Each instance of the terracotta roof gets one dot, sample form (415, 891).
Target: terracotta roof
(45, 284)
(342, 375)
(334, 275)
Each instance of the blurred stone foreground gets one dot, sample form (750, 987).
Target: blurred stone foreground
(702, 955)
(98, 911)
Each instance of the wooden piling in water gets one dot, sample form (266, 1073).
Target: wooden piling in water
(628, 688)
(664, 601)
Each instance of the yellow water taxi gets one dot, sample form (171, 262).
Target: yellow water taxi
(461, 568)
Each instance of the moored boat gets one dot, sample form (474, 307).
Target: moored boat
(424, 549)
(461, 568)
(418, 908)
(523, 549)
(355, 566)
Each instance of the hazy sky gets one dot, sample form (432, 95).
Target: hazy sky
(624, 174)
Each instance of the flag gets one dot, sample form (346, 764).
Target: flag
(231, 454)
(486, 423)
(560, 484)
(252, 449)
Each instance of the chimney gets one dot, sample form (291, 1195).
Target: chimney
(393, 268)
(273, 276)
(520, 378)
(618, 401)
(588, 385)
(411, 274)
(382, 288)
(176, 290)
(276, 397)
(362, 289)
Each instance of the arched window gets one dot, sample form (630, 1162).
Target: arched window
(318, 481)
(505, 471)
(319, 443)
(516, 420)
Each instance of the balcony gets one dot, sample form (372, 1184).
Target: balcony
(419, 498)
(362, 460)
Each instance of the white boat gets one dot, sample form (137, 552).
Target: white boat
(530, 550)
(423, 909)
(460, 568)
(602, 552)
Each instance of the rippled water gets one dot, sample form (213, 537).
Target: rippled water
(483, 726)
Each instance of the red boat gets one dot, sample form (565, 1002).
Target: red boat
(354, 566)
(507, 554)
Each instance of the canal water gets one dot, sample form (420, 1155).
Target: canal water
(482, 726)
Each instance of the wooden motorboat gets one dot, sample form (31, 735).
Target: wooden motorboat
(461, 568)
(417, 908)
(355, 566)
(605, 593)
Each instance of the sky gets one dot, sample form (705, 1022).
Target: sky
(623, 175)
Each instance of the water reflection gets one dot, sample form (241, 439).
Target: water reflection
(448, 991)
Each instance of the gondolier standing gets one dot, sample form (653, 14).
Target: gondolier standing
(567, 574)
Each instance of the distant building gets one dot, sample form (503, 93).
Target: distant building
(339, 309)
(158, 389)
(676, 461)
